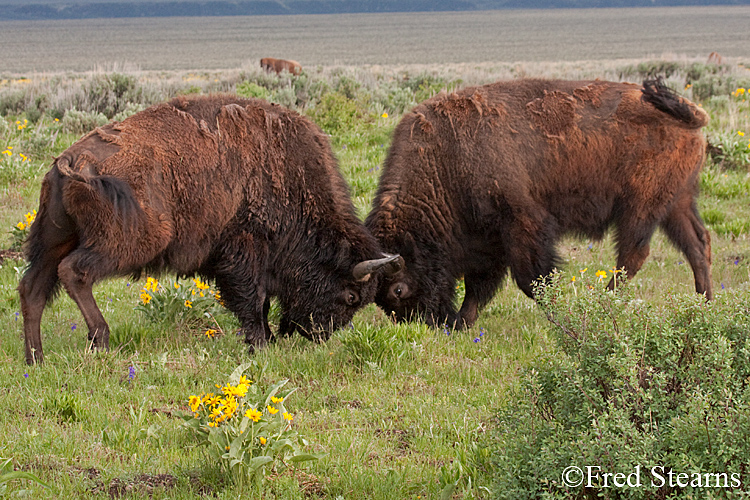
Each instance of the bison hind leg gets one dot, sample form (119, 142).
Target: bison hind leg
(684, 228)
(78, 272)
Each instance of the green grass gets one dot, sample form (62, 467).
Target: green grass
(401, 411)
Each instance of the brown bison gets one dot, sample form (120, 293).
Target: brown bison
(489, 178)
(279, 65)
(240, 191)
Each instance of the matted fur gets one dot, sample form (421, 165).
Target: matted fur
(237, 190)
(487, 179)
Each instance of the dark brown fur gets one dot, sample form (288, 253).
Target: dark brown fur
(489, 178)
(240, 191)
(279, 65)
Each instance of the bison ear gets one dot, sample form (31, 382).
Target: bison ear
(391, 264)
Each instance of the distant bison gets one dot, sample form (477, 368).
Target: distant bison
(240, 191)
(488, 178)
(279, 65)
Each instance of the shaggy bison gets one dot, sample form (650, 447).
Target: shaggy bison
(279, 65)
(240, 191)
(488, 178)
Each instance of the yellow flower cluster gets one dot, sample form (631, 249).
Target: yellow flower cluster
(739, 92)
(152, 285)
(28, 219)
(22, 125)
(223, 407)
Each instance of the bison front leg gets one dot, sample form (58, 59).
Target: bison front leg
(245, 296)
(78, 272)
(633, 247)
(685, 229)
(480, 288)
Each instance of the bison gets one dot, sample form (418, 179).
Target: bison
(279, 65)
(489, 178)
(236, 190)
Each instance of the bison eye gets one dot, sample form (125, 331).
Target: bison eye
(399, 290)
(352, 298)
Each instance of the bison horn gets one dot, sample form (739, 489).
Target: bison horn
(391, 263)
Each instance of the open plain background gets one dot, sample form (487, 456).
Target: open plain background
(374, 39)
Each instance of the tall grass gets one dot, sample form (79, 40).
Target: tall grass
(399, 411)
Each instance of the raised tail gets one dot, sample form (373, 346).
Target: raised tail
(114, 191)
(666, 100)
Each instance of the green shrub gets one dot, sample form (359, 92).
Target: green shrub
(108, 94)
(337, 114)
(250, 89)
(81, 122)
(626, 388)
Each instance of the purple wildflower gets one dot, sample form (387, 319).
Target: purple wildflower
(131, 373)
(25, 375)
(445, 330)
(17, 313)
(73, 327)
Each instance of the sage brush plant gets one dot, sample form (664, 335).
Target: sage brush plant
(629, 387)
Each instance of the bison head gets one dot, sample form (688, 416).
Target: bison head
(326, 298)
(420, 289)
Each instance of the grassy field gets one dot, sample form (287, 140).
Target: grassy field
(509, 36)
(395, 411)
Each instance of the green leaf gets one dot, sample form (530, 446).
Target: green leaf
(304, 457)
(256, 463)
(234, 378)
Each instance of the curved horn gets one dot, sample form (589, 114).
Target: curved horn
(391, 263)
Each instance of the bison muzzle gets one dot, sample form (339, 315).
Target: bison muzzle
(236, 190)
(488, 178)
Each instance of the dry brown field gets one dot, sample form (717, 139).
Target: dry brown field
(375, 39)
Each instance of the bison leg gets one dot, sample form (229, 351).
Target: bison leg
(532, 250)
(247, 299)
(633, 247)
(78, 272)
(480, 288)
(685, 229)
(36, 289)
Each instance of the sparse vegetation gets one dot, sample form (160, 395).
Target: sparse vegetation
(399, 411)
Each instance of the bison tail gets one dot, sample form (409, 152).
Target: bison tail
(666, 100)
(120, 195)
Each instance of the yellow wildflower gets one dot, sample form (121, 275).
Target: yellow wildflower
(287, 416)
(272, 410)
(384, 115)
(253, 414)
(601, 275)
(262, 440)
(21, 226)
(573, 279)
(188, 304)
(210, 333)
(274, 399)
(741, 133)
(145, 297)
(195, 402)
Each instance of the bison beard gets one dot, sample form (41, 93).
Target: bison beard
(240, 191)
(487, 179)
